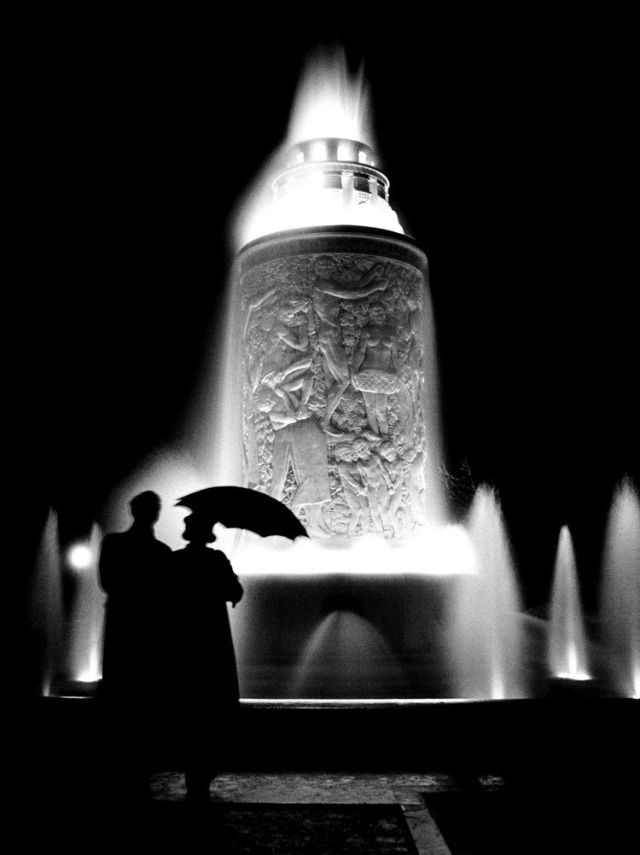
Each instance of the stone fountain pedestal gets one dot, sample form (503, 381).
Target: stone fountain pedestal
(333, 377)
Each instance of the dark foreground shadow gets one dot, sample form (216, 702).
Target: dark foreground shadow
(240, 829)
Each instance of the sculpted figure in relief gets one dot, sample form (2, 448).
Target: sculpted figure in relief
(375, 367)
(353, 486)
(282, 383)
(286, 356)
(327, 297)
(405, 499)
(376, 481)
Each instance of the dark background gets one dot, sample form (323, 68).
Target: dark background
(507, 145)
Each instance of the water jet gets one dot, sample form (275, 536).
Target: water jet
(567, 639)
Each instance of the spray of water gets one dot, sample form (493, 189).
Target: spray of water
(485, 636)
(46, 615)
(87, 612)
(346, 656)
(433, 551)
(330, 102)
(567, 639)
(620, 593)
(212, 438)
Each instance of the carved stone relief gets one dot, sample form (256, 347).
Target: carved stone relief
(333, 416)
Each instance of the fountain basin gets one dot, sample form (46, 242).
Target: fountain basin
(352, 637)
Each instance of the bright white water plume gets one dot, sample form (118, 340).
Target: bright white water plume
(87, 613)
(567, 639)
(330, 102)
(46, 603)
(620, 595)
(485, 634)
(433, 551)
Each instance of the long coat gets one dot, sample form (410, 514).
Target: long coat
(132, 571)
(205, 676)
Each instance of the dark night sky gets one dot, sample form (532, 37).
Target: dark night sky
(506, 144)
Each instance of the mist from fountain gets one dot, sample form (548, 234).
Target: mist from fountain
(567, 653)
(212, 434)
(620, 592)
(484, 628)
(46, 613)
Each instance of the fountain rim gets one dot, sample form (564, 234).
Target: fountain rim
(303, 239)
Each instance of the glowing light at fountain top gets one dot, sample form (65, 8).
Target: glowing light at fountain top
(327, 173)
(330, 102)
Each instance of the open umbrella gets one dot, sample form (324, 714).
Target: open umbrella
(241, 507)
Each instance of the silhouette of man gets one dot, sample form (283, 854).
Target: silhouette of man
(205, 682)
(132, 572)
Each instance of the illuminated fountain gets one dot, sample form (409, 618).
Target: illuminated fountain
(333, 410)
(485, 628)
(339, 401)
(322, 390)
(66, 611)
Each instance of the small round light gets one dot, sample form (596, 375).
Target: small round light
(80, 557)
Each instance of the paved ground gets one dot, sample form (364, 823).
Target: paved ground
(332, 814)
(565, 780)
(323, 789)
(444, 814)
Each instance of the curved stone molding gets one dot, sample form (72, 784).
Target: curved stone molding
(333, 378)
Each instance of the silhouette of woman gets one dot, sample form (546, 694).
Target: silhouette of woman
(205, 682)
